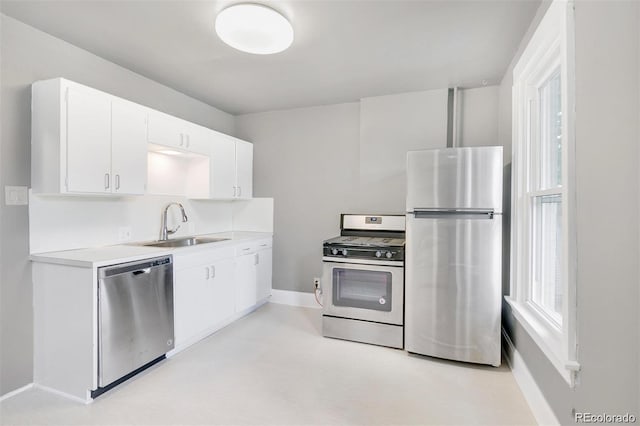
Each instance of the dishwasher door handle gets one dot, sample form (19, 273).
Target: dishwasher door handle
(142, 271)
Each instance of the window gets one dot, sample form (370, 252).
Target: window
(543, 239)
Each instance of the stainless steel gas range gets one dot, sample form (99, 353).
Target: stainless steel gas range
(363, 280)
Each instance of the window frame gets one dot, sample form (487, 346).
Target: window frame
(550, 48)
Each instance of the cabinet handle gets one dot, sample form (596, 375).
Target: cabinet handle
(263, 245)
(181, 139)
(239, 191)
(106, 181)
(213, 272)
(188, 137)
(208, 275)
(235, 191)
(117, 182)
(257, 259)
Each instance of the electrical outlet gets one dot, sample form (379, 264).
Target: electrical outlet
(124, 234)
(316, 282)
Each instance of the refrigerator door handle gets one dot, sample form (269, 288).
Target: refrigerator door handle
(460, 213)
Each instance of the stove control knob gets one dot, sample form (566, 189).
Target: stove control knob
(378, 253)
(389, 255)
(334, 251)
(344, 252)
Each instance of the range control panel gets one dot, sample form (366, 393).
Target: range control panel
(381, 253)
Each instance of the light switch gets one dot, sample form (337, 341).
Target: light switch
(16, 196)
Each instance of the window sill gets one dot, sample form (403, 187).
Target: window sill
(548, 339)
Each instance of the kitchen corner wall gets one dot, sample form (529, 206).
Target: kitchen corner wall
(318, 162)
(29, 55)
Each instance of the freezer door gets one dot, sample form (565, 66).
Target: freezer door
(453, 286)
(455, 178)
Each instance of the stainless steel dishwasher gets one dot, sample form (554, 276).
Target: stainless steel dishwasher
(135, 318)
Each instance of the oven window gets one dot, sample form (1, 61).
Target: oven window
(362, 289)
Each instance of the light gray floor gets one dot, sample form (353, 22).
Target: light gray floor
(274, 367)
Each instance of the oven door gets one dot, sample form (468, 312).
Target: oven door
(364, 292)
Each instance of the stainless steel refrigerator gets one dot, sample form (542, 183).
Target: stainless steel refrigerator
(454, 253)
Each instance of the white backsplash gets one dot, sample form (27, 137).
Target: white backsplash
(68, 222)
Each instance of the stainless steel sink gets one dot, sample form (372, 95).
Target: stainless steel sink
(183, 242)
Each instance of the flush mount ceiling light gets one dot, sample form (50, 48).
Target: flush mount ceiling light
(254, 28)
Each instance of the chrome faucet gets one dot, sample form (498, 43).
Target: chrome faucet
(164, 232)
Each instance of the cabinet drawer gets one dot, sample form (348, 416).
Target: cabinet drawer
(253, 246)
(188, 260)
(264, 244)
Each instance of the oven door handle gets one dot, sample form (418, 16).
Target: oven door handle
(365, 262)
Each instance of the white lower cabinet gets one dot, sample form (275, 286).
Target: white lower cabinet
(223, 291)
(202, 292)
(264, 272)
(246, 295)
(213, 287)
(253, 273)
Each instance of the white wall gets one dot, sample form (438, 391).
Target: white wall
(607, 160)
(64, 223)
(348, 158)
(607, 175)
(307, 159)
(389, 127)
(478, 117)
(29, 55)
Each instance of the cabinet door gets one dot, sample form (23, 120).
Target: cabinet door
(223, 170)
(245, 281)
(166, 130)
(223, 291)
(128, 147)
(198, 139)
(88, 142)
(244, 169)
(192, 299)
(263, 273)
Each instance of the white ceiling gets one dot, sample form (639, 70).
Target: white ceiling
(343, 50)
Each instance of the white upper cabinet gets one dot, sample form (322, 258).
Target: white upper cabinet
(84, 141)
(244, 169)
(223, 167)
(128, 147)
(231, 167)
(167, 130)
(231, 159)
(88, 141)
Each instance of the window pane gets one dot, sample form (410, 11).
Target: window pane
(547, 288)
(550, 131)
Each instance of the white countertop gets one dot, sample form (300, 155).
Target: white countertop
(110, 255)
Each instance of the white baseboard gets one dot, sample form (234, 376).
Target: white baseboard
(87, 400)
(539, 406)
(294, 298)
(15, 392)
